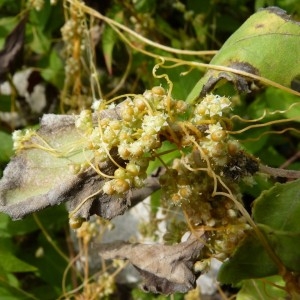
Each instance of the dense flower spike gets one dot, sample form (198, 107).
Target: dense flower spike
(146, 121)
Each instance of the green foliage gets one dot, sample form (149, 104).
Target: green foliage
(281, 229)
(262, 289)
(28, 262)
(249, 261)
(280, 225)
(6, 147)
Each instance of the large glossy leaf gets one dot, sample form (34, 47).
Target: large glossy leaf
(277, 212)
(279, 207)
(274, 100)
(262, 289)
(249, 261)
(286, 245)
(267, 44)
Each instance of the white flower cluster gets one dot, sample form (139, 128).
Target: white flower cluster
(97, 104)
(106, 284)
(135, 135)
(215, 143)
(153, 124)
(209, 113)
(211, 106)
(84, 121)
(145, 121)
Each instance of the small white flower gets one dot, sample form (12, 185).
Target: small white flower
(84, 120)
(213, 128)
(212, 105)
(111, 106)
(97, 104)
(136, 149)
(153, 124)
(17, 135)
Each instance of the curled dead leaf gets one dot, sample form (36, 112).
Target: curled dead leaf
(38, 176)
(165, 269)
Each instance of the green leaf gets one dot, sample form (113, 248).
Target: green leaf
(276, 99)
(182, 85)
(52, 218)
(170, 155)
(5, 103)
(4, 220)
(10, 287)
(145, 6)
(6, 146)
(279, 207)
(262, 289)
(269, 155)
(261, 46)
(250, 260)
(255, 139)
(286, 246)
(40, 41)
(41, 18)
(261, 183)
(10, 263)
(109, 39)
(7, 24)
(53, 69)
(50, 264)
(278, 211)
(10, 293)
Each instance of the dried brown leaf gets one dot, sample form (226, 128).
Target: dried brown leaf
(165, 269)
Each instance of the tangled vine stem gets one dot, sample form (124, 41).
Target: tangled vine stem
(203, 180)
(111, 22)
(117, 27)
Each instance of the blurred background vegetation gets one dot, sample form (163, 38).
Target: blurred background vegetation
(62, 60)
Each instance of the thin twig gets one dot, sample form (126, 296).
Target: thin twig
(278, 172)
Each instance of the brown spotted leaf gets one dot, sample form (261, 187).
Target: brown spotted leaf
(165, 269)
(267, 45)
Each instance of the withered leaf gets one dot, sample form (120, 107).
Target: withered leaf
(165, 269)
(10, 55)
(36, 178)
